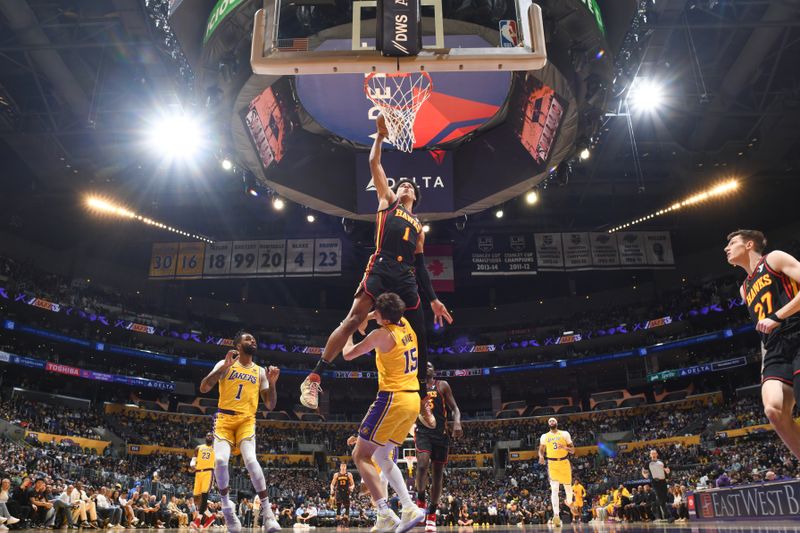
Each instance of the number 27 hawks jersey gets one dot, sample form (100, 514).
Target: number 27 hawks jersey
(766, 291)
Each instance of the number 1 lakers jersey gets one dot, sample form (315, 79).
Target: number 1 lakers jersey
(238, 389)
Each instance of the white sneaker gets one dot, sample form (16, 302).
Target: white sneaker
(271, 525)
(430, 526)
(410, 517)
(3, 527)
(374, 529)
(231, 520)
(3, 519)
(309, 391)
(387, 521)
(11, 520)
(557, 521)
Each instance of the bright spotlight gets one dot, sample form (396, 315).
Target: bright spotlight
(310, 217)
(252, 192)
(426, 228)
(227, 164)
(646, 95)
(585, 154)
(278, 203)
(499, 213)
(176, 137)
(532, 197)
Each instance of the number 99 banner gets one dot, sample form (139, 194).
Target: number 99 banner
(267, 258)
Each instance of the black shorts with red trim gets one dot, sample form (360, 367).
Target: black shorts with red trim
(388, 275)
(342, 504)
(782, 358)
(433, 442)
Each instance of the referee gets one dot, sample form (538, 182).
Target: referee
(657, 473)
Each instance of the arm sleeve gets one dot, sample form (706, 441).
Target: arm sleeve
(423, 279)
(262, 378)
(541, 439)
(568, 437)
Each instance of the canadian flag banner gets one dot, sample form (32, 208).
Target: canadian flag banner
(439, 262)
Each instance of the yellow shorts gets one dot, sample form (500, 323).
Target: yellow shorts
(390, 417)
(560, 471)
(202, 482)
(234, 428)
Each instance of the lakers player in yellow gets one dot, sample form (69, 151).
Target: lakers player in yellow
(203, 466)
(580, 494)
(241, 381)
(393, 412)
(556, 446)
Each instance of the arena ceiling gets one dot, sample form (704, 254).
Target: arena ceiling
(78, 79)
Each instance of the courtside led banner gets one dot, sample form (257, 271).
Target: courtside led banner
(763, 501)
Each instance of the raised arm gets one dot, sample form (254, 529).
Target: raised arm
(219, 370)
(269, 387)
(453, 406)
(386, 195)
(378, 338)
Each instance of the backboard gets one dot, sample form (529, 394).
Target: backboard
(336, 37)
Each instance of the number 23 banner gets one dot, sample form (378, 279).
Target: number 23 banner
(265, 258)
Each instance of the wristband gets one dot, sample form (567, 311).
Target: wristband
(774, 316)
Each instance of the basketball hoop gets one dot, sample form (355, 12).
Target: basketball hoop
(399, 96)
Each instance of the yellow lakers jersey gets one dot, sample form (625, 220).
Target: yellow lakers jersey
(397, 368)
(579, 492)
(205, 457)
(238, 389)
(555, 444)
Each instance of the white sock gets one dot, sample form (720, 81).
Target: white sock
(383, 456)
(222, 454)
(568, 491)
(382, 505)
(554, 498)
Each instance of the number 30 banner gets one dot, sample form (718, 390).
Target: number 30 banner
(267, 258)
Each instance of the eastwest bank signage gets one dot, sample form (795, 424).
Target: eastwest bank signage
(431, 171)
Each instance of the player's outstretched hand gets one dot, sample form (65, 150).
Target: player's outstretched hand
(230, 358)
(362, 328)
(380, 123)
(440, 313)
(273, 372)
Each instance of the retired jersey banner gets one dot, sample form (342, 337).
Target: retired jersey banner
(249, 259)
(503, 255)
(439, 262)
(658, 246)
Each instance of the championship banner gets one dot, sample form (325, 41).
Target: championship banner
(549, 251)
(631, 249)
(577, 254)
(503, 255)
(604, 249)
(439, 263)
(779, 500)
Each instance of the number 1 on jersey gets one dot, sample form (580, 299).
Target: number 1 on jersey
(407, 234)
(239, 392)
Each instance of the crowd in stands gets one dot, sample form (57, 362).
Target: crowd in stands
(51, 418)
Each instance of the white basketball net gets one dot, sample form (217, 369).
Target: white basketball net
(399, 96)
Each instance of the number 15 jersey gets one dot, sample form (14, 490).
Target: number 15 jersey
(397, 368)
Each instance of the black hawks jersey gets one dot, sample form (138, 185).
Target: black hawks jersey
(439, 409)
(766, 291)
(396, 232)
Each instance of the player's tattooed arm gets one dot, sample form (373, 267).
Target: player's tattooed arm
(220, 370)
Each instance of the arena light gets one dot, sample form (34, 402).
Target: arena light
(227, 164)
(426, 228)
(585, 154)
(716, 191)
(103, 206)
(499, 213)
(310, 218)
(278, 204)
(177, 136)
(532, 197)
(646, 96)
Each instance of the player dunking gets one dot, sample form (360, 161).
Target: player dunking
(773, 301)
(393, 412)
(398, 265)
(241, 381)
(433, 445)
(342, 486)
(203, 465)
(556, 446)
